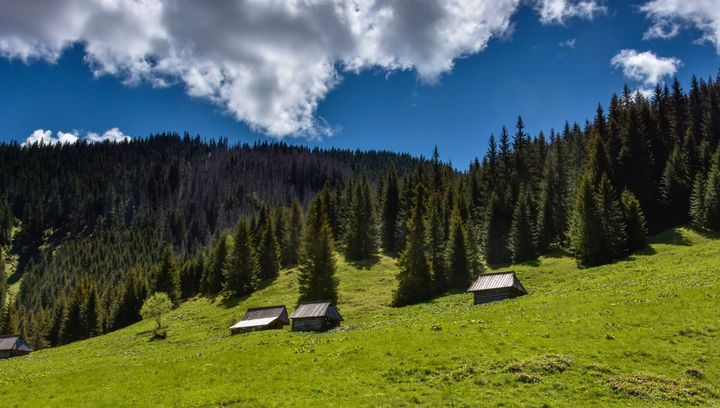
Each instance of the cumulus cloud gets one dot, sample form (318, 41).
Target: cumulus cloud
(45, 137)
(670, 16)
(645, 67)
(268, 63)
(558, 11)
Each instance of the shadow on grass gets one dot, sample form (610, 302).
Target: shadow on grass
(558, 253)
(364, 263)
(670, 237)
(231, 302)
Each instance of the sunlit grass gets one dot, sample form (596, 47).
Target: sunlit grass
(654, 316)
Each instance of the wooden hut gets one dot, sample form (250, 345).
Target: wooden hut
(315, 316)
(13, 346)
(262, 318)
(496, 286)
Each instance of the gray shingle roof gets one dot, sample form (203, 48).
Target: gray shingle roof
(13, 342)
(496, 281)
(265, 312)
(316, 309)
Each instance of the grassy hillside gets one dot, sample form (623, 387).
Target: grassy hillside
(642, 332)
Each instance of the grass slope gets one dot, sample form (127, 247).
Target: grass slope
(642, 332)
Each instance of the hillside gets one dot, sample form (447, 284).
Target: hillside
(638, 326)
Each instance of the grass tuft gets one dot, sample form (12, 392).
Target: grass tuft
(658, 387)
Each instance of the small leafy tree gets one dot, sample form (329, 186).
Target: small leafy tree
(155, 306)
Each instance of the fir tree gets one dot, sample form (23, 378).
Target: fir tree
(436, 243)
(551, 224)
(414, 279)
(522, 239)
(91, 317)
(697, 202)
(457, 254)
(585, 225)
(71, 329)
(3, 288)
(316, 271)
(166, 277)
(675, 187)
(711, 201)
(9, 322)
(240, 267)
(268, 253)
(613, 236)
(634, 221)
(390, 210)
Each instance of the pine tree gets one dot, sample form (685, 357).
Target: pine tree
(634, 221)
(523, 238)
(166, 277)
(268, 253)
(458, 266)
(414, 279)
(390, 210)
(295, 232)
(240, 267)
(361, 227)
(495, 234)
(316, 271)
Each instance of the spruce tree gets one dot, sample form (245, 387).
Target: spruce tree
(697, 202)
(240, 267)
(415, 279)
(437, 243)
(316, 271)
(711, 201)
(585, 230)
(212, 282)
(361, 228)
(91, 317)
(458, 267)
(552, 214)
(634, 221)
(72, 326)
(613, 235)
(9, 320)
(295, 233)
(281, 234)
(390, 210)
(166, 276)
(523, 238)
(3, 287)
(268, 254)
(675, 187)
(495, 234)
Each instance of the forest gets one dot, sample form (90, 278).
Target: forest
(91, 230)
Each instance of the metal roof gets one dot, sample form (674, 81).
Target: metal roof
(316, 309)
(276, 312)
(13, 342)
(253, 323)
(496, 281)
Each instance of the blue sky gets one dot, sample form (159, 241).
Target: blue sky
(529, 69)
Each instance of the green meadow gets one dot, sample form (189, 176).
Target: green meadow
(643, 332)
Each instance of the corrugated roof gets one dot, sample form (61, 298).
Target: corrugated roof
(316, 309)
(265, 312)
(496, 281)
(13, 342)
(253, 323)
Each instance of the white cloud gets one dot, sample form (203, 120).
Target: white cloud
(669, 16)
(558, 11)
(268, 63)
(45, 137)
(645, 67)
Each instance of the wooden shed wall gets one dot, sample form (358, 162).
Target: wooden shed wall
(313, 324)
(485, 296)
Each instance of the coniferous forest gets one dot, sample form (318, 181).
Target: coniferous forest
(91, 230)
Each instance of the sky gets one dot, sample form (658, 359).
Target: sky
(401, 75)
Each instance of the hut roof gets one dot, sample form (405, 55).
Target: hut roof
(496, 281)
(13, 342)
(316, 309)
(262, 316)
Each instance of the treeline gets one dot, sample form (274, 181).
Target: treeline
(596, 190)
